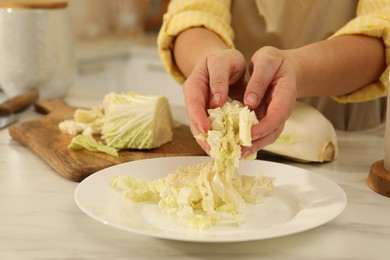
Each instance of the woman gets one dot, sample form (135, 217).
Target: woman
(319, 48)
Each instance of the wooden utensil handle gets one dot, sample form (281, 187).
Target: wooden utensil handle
(19, 103)
(34, 5)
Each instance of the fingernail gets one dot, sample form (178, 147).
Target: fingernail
(245, 153)
(201, 129)
(251, 100)
(215, 100)
(255, 137)
(204, 146)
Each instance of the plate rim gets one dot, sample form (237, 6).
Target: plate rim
(220, 239)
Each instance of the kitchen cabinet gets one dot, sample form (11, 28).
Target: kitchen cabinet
(104, 73)
(146, 74)
(136, 68)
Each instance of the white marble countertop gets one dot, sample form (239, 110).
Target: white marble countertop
(40, 220)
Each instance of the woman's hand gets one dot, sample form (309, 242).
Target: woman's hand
(216, 76)
(326, 68)
(271, 92)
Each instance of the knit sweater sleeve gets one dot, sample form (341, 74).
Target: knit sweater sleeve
(372, 19)
(183, 14)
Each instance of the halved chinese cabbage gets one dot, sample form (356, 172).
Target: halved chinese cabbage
(307, 136)
(125, 121)
(136, 121)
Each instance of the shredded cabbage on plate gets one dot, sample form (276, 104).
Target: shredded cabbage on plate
(213, 192)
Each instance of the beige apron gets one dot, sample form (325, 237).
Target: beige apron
(287, 24)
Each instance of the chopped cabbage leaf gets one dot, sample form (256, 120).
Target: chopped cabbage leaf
(88, 142)
(84, 122)
(73, 127)
(197, 194)
(230, 129)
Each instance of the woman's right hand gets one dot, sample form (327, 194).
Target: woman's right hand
(216, 76)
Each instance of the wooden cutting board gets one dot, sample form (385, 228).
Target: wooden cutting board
(43, 136)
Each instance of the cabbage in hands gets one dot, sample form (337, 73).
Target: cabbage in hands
(124, 121)
(230, 129)
(213, 192)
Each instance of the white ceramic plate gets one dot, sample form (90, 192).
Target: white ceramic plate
(302, 200)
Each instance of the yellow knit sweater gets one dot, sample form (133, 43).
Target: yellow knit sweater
(372, 19)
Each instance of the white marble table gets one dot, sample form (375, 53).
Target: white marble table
(40, 220)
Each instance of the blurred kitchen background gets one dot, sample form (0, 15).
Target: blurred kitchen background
(121, 18)
(115, 47)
